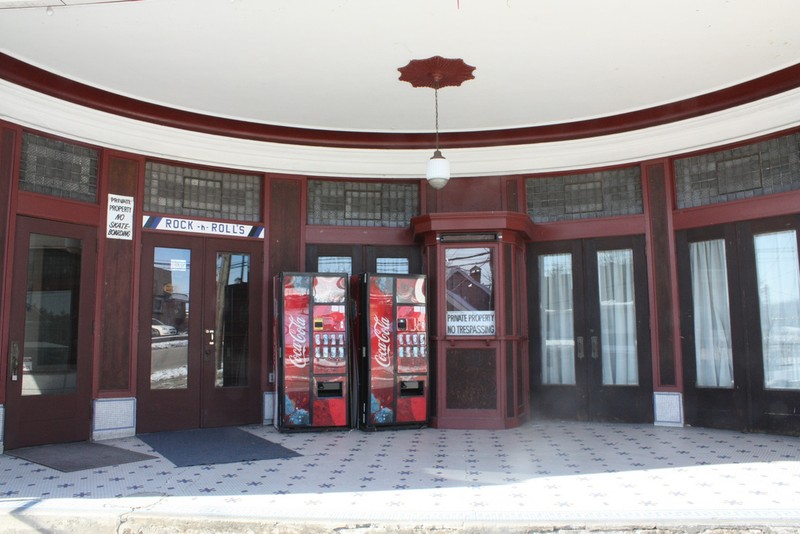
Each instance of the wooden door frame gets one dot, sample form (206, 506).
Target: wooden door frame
(60, 427)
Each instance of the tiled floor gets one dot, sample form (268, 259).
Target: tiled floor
(542, 475)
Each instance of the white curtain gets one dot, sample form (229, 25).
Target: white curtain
(555, 310)
(779, 306)
(617, 317)
(712, 321)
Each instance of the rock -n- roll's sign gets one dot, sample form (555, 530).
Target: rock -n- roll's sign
(193, 226)
(119, 223)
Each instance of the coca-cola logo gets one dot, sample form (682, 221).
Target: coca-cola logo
(382, 330)
(298, 335)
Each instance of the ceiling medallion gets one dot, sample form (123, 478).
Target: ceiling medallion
(436, 72)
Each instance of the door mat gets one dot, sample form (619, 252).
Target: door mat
(206, 446)
(69, 457)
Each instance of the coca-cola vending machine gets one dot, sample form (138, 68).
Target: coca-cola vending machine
(312, 360)
(393, 360)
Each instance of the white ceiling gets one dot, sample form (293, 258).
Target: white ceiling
(332, 64)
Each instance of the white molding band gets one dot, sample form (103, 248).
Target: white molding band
(41, 112)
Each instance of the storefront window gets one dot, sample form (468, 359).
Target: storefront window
(470, 292)
(779, 306)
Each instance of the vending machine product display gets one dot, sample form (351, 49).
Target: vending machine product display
(392, 364)
(312, 357)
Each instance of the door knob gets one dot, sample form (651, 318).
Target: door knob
(14, 361)
(595, 353)
(579, 347)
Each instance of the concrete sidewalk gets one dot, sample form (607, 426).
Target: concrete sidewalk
(543, 476)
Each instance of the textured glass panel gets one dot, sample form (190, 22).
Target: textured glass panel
(758, 169)
(202, 193)
(583, 196)
(339, 203)
(57, 168)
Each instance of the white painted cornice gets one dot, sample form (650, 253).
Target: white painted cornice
(37, 111)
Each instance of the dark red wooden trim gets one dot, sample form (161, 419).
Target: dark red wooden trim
(26, 75)
(589, 228)
(339, 235)
(54, 208)
(489, 221)
(738, 210)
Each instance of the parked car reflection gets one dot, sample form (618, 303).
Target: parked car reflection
(161, 329)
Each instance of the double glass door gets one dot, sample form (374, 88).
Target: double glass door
(200, 330)
(589, 318)
(50, 332)
(740, 302)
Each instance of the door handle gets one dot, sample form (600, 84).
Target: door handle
(14, 361)
(579, 347)
(207, 350)
(595, 353)
(210, 332)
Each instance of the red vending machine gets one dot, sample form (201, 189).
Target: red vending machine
(393, 360)
(312, 360)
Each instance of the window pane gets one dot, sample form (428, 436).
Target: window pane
(57, 168)
(392, 266)
(556, 319)
(49, 363)
(617, 317)
(779, 306)
(232, 320)
(712, 323)
(470, 293)
(169, 349)
(335, 264)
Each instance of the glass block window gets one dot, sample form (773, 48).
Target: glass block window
(57, 168)
(585, 196)
(759, 169)
(202, 193)
(339, 203)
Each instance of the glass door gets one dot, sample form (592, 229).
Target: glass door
(50, 348)
(590, 325)
(199, 362)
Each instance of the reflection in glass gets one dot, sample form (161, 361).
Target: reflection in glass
(779, 306)
(232, 320)
(712, 319)
(335, 264)
(470, 293)
(617, 317)
(49, 363)
(556, 319)
(169, 348)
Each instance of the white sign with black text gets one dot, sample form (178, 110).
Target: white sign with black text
(119, 224)
(470, 323)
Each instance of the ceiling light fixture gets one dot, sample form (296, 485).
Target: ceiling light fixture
(436, 72)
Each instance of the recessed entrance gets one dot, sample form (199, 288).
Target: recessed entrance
(199, 336)
(50, 349)
(590, 348)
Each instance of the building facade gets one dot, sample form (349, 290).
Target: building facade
(659, 290)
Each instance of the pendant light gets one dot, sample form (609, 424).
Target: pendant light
(438, 173)
(436, 72)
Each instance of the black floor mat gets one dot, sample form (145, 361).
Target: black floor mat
(213, 446)
(69, 457)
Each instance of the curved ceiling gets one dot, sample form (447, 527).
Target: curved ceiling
(333, 65)
(559, 84)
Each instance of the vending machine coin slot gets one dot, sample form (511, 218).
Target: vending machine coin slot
(329, 389)
(412, 388)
